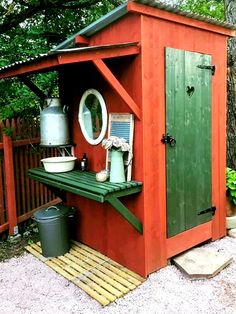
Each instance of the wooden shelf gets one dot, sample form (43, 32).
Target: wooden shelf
(85, 184)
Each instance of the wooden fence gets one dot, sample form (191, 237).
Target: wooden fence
(19, 196)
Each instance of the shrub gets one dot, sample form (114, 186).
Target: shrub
(231, 185)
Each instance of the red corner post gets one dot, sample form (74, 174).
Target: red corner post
(10, 184)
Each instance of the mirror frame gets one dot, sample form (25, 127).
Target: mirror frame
(96, 93)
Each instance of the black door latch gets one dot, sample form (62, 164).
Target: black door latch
(208, 210)
(212, 68)
(168, 139)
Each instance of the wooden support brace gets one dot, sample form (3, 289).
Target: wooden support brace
(112, 80)
(33, 87)
(125, 213)
(29, 214)
(4, 227)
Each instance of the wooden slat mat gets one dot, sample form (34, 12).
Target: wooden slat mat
(102, 278)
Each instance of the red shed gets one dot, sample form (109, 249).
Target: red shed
(168, 68)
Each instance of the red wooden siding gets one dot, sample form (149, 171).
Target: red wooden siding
(143, 77)
(160, 36)
(99, 225)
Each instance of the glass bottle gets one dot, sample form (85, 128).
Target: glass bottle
(84, 163)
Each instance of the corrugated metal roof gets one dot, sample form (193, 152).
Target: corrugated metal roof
(51, 54)
(175, 9)
(120, 11)
(38, 57)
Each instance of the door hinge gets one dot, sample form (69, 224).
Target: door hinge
(208, 210)
(208, 67)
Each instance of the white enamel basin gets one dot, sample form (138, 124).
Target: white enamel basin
(59, 164)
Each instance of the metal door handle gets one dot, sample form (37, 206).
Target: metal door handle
(168, 139)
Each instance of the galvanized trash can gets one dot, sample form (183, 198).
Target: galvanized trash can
(53, 224)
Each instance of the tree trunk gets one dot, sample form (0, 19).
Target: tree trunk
(230, 11)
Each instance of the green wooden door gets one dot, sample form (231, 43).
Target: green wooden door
(188, 120)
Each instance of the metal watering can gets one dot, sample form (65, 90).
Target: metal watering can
(54, 129)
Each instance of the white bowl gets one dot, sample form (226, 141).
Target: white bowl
(59, 164)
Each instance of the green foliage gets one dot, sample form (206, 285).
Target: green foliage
(97, 11)
(16, 100)
(231, 185)
(210, 8)
(35, 36)
(46, 29)
(8, 131)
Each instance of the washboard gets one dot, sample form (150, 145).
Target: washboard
(122, 125)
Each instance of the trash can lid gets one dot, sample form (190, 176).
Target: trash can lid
(52, 212)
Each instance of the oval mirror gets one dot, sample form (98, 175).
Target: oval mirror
(93, 116)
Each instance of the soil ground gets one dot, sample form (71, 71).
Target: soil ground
(14, 246)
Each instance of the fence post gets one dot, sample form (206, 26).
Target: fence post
(10, 184)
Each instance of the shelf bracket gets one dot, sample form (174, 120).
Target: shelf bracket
(125, 213)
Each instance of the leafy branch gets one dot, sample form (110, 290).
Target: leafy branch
(12, 15)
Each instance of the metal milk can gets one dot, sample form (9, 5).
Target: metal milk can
(54, 130)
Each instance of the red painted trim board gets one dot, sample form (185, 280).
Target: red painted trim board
(188, 239)
(112, 80)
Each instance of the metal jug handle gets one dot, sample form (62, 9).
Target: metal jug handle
(65, 108)
(42, 105)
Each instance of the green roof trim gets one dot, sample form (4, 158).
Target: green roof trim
(96, 26)
(105, 20)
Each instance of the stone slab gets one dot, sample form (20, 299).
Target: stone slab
(232, 233)
(202, 263)
(231, 222)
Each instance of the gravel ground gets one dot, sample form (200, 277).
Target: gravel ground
(28, 286)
